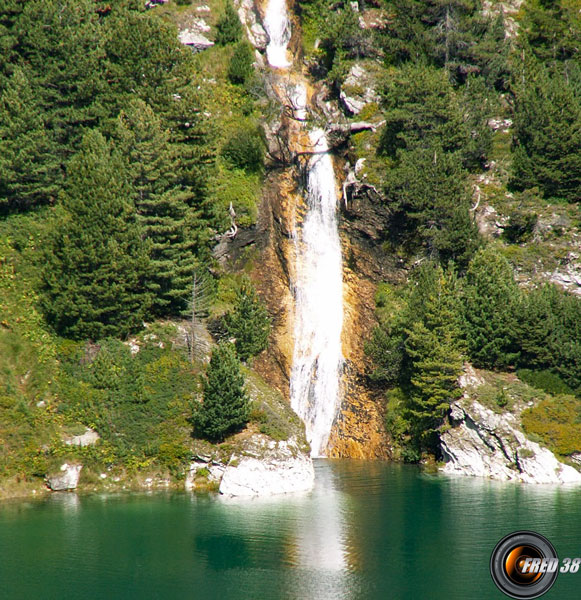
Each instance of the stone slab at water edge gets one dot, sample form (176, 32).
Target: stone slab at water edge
(266, 468)
(483, 443)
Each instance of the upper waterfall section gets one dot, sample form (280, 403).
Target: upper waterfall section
(277, 25)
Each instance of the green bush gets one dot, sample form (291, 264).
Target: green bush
(544, 380)
(245, 149)
(521, 225)
(240, 68)
(557, 422)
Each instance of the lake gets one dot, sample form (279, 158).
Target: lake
(367, 531)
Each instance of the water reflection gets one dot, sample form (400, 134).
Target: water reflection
(367, 531)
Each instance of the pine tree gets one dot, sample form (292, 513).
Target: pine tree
(29, 171)
(62, 44)
(162, 206)
(491, 299)
(96, 260)
(547, 130)
(193, 136)
(435, 352)
(229, 27)
(248, 323)
(431, 202)
(144, 59)
(240, 67)
(226, 407)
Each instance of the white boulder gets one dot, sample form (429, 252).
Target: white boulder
(67, 479)
(266, 468)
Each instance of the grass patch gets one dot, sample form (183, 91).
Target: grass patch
(272, 414)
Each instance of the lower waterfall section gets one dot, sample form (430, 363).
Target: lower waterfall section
(318, 358)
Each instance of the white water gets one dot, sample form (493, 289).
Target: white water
(278, 28)
(318, 358)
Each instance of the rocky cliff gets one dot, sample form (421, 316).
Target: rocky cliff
(482, 442)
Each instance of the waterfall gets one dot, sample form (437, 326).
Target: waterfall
(278, 28)
(318, 285)
(318, 358)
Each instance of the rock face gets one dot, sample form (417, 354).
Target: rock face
(483, 443)
(266, 468)
(358, 90)
(67, 479)
(195, 40)
(254, 30)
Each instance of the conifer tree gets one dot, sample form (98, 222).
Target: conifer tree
(162, 206)
(491, 300)
(434, 350)
(96, 260)
(226, 406)
(547, 130)
(240, 67)
(229, 27)
(144, 58)
(62, 44)
(248, 323)
(431, 201)
(28, 169)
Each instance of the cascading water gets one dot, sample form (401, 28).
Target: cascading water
(317, 361)
(318, 304)
(278, 28)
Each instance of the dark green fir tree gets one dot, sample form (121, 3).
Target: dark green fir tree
(248, 323)
(491, 300)
(96, 260)
(434, 349)
(229, 27)
(29, 171)
(226, 407)
(162, 205)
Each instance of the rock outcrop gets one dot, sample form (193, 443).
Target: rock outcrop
(67, 479)
(484, 443)
(204, 468)
(88, 438)
(358, 89)
(266, 467)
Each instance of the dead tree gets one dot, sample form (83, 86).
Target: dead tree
(198, 310)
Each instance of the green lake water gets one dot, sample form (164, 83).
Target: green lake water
(367, 531)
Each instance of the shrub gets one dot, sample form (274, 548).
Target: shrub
(245, 150)
(521, 225)
(557, 422)
(544, 380)
(240, 68)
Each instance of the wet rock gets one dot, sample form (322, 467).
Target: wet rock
(67, 479)
(266, 467)
(257, 36)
